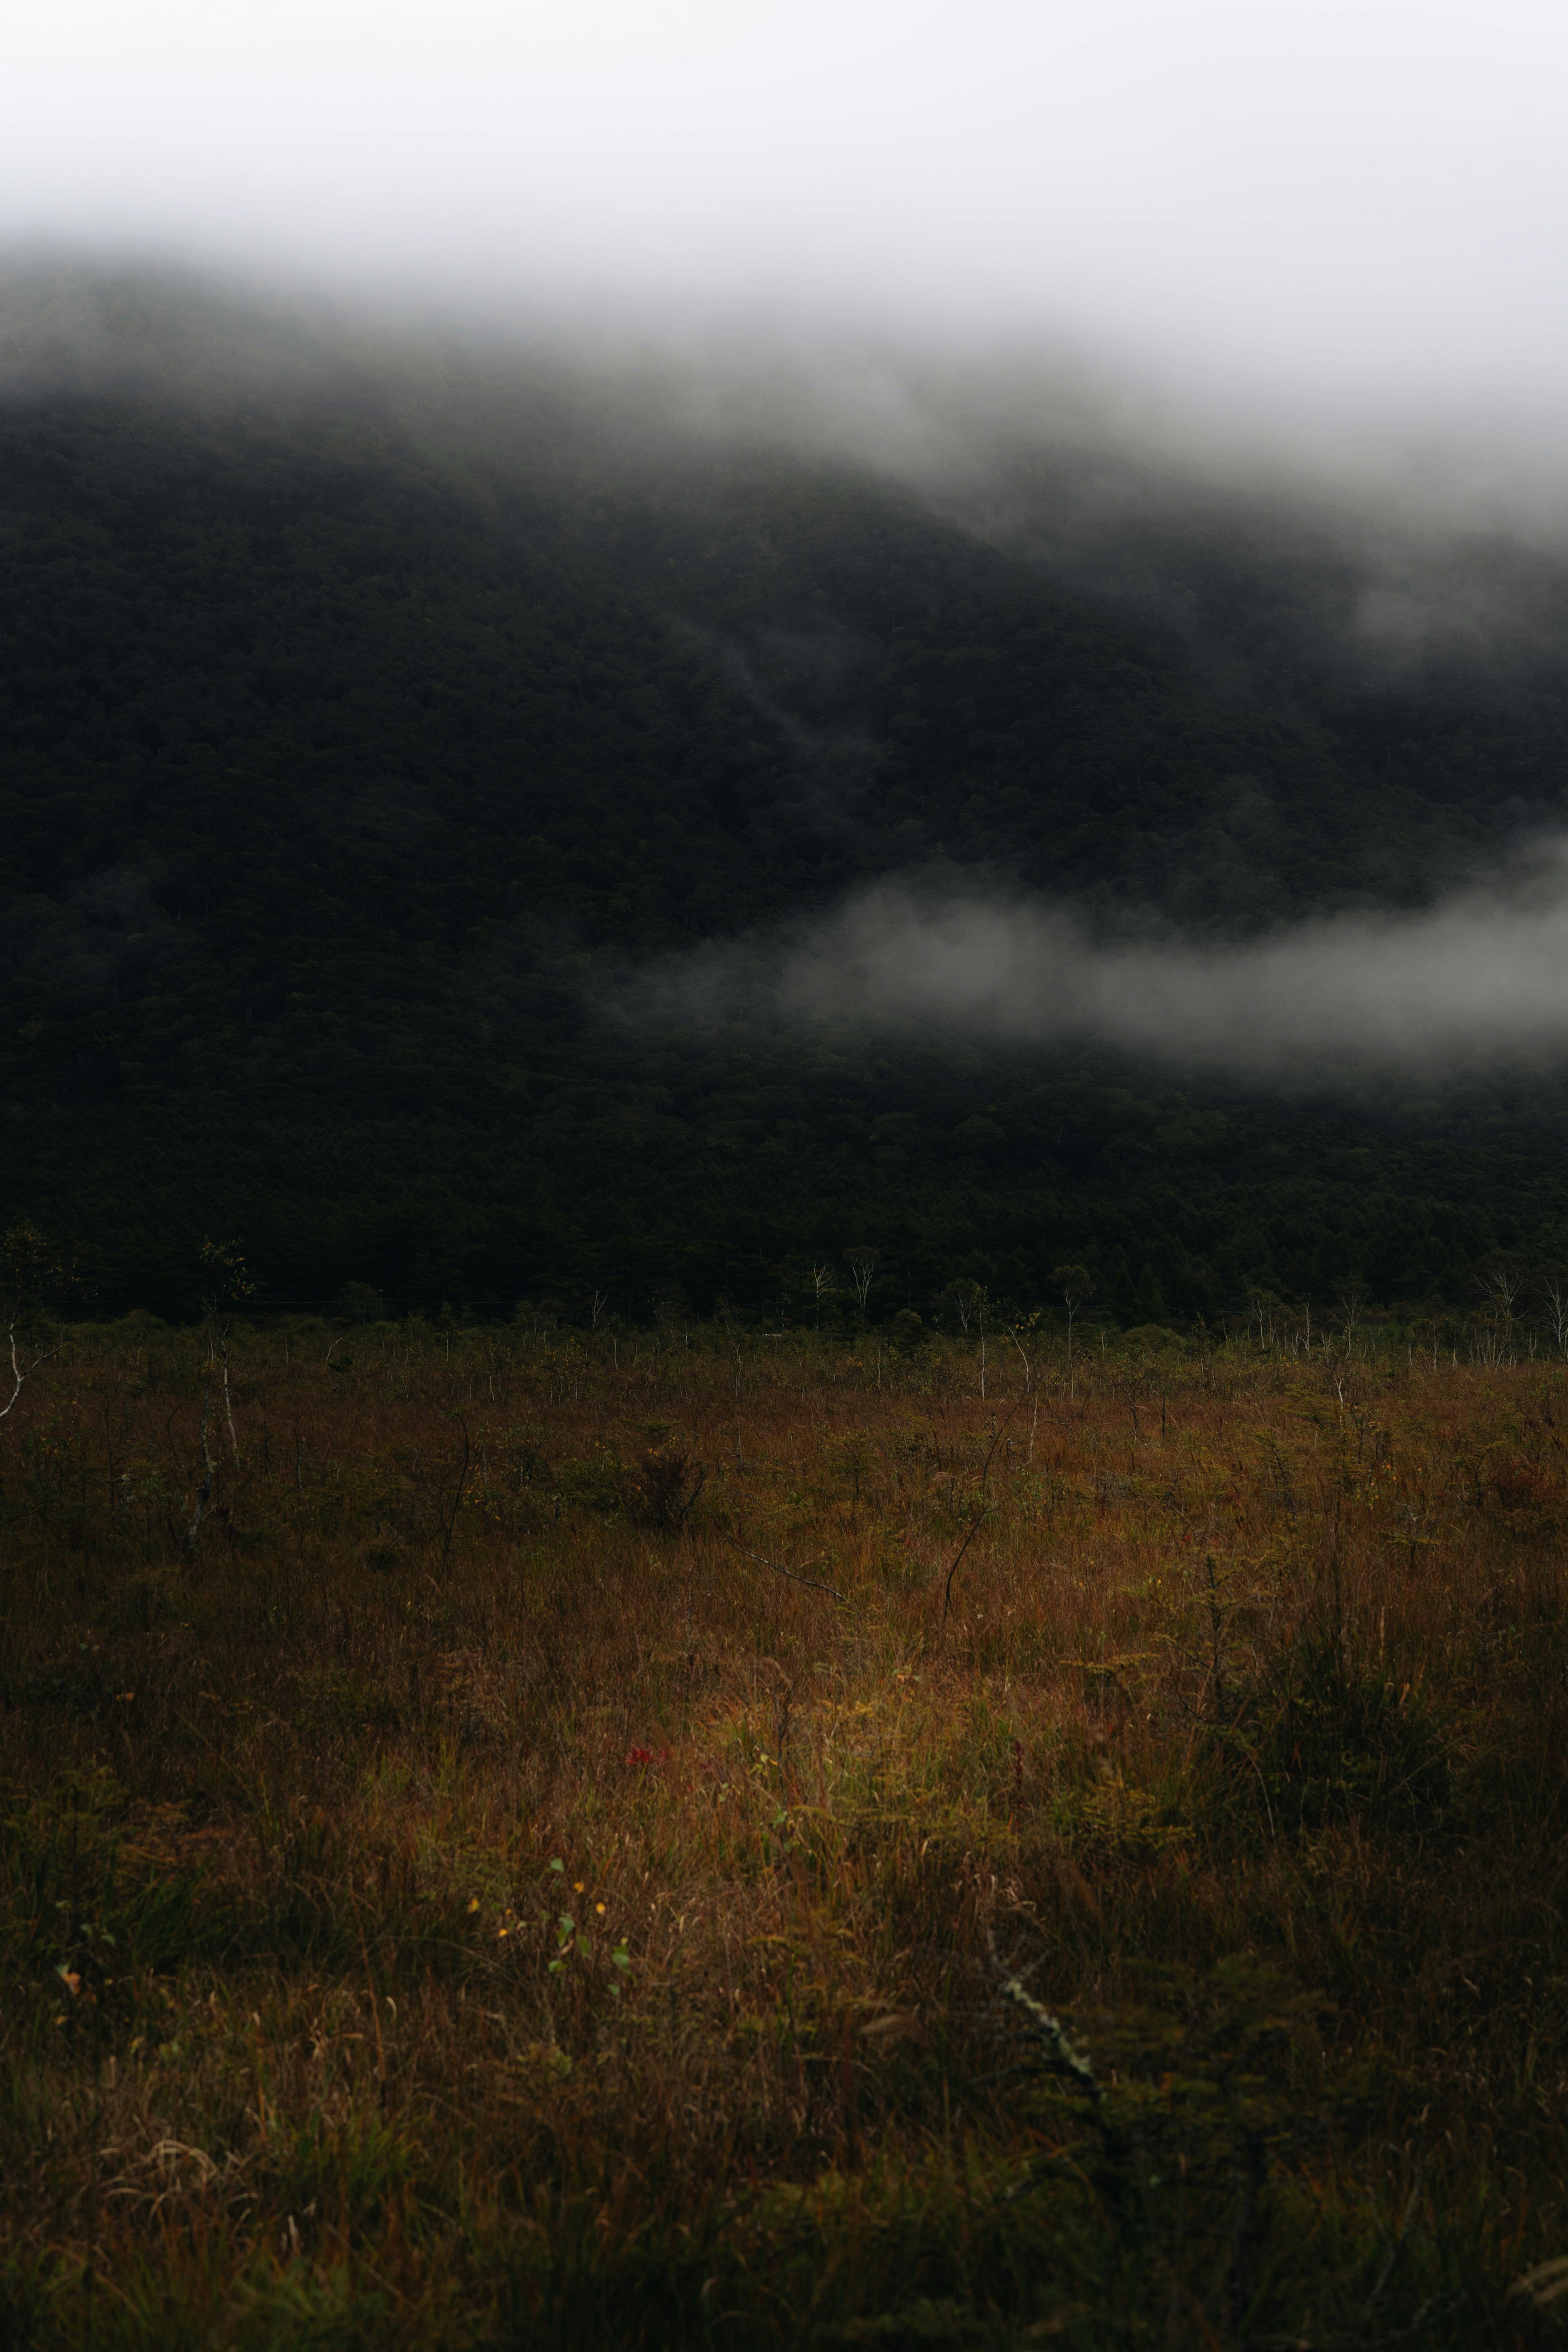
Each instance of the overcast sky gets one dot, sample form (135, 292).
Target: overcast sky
(1364, 206)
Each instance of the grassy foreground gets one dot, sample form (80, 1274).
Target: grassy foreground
(475, 1892)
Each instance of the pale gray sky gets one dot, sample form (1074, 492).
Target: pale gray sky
(1358, 207)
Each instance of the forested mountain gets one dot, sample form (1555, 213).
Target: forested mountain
(345, 765)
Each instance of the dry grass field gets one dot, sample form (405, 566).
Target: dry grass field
(724, 1841)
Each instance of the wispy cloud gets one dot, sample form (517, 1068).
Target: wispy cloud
(1479, 977)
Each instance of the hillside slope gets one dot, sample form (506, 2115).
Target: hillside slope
(338, 779)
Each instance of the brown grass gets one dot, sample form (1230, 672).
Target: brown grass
(479, 1894)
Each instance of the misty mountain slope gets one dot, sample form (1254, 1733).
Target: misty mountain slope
(703, 701)
(958, 701)
(1433, 658)
(338, 778)
(258, 664)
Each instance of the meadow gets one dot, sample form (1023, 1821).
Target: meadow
(520, 1837)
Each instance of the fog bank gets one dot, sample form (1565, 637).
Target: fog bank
(1266, 206)
(1478, 979)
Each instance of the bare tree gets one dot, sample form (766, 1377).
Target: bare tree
(21, 1373)
(209, 1466)
(30, 1271)
(821, 1286)
(1263, 1306)
(228, 1282)
(1499, 1283)
(1029, 1388)
(862, 1264)
(1554, 1292)
(962, 1296)
(1077, 1287)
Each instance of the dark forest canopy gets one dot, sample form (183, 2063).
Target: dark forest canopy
(345, 764)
